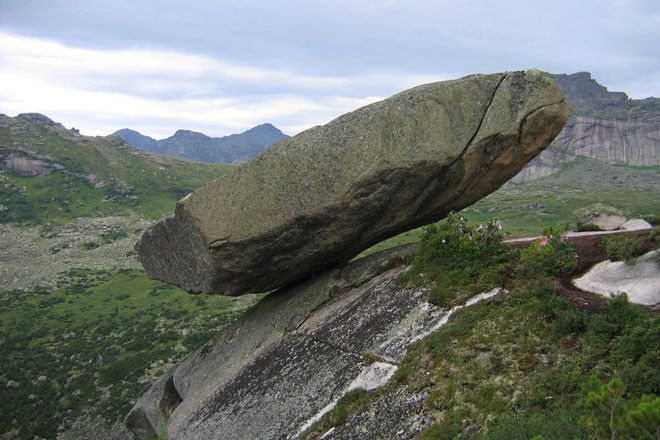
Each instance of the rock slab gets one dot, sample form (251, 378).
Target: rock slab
(640, 281)
(316, 200)
(608, 222)
(286, 362)
(636, 224)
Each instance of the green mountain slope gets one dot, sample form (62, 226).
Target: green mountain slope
(53, 174)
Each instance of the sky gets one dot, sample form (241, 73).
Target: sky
(221, 67)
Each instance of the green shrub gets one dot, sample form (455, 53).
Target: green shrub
(460, 260)
(624, 248)
(585, 227)
(652, 219)
(611, 413)
(550, 424)
(114, 235)
(584, 215)
(641, 418)
(550, 256)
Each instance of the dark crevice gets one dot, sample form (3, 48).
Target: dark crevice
(429, 187)
(170, 398)
(483, 117)
(313, 311)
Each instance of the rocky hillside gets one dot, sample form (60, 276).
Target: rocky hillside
(382, 348)
(607, 126)
(197, 146)
(50, 173)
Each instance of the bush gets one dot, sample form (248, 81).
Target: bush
(612, 414)
(586, 227)
(88, 245)
(624, 248)
(550, 256)
(652, 219)
(460, 260)
(114, 235)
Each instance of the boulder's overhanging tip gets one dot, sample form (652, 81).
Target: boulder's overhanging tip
(317, 199)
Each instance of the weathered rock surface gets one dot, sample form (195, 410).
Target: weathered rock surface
(630, 141)
(25, 166)
(640, 281)
(313, 201)
(636, 224)
(286, 362)
(608, 222)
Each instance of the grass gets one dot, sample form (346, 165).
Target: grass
(93, 344)
(538, 368)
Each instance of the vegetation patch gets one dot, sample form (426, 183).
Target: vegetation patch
(624, 248)
(552, 255)
(94, 345)
(460, 261)
(583, 215)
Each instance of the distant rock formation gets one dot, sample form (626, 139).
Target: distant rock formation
(607, 126)
(26, 166)
(319, 198)
(197, 146)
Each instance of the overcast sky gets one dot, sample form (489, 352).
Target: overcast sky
(221, 67)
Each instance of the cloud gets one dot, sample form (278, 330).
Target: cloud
(156, 91)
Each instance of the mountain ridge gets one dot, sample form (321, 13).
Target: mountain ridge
(198, 146)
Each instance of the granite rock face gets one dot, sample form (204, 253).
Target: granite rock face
(287, 362)
(315, 200)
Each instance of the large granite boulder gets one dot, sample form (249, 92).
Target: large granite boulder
(315, 200)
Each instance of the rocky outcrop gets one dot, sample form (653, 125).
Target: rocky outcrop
(639, 280)
(630, 141)
(608, 222)
(606, 126)
(319, 198)
(636, 224)
(286, 363)
(26, 166)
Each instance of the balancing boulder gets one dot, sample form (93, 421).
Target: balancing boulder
(317, 199)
